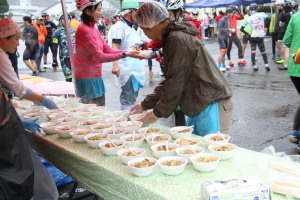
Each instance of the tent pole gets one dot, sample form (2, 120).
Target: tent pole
(271, 8)
(67, 27)
(242, 9)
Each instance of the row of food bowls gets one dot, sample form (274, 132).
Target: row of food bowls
(173, 165)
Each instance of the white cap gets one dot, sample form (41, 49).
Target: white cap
(151, 14)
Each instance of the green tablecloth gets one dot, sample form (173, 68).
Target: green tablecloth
(108, 178)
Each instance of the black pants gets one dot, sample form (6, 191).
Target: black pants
(296, 125)
(179, 118)
(234, 39)
(274, 39)
(257, 42)
(100, 101)
(208, 32)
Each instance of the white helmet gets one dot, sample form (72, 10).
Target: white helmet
(174, 4)
(279, 2)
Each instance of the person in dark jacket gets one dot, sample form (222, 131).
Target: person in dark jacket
(192, 79)
(223, 36)
(30, 35)
(51, 27)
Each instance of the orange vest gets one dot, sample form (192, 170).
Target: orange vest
(42, 32)
(297, 57)
(74, 24)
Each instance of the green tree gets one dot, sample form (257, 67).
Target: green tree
(4, 7)
(10, 14)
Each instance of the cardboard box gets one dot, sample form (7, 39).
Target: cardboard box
(235, 189)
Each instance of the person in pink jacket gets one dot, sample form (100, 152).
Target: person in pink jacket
(91, 52)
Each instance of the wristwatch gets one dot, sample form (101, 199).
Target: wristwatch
(123, 55)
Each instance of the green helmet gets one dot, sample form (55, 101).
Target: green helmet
(130, 4)
(195, 12)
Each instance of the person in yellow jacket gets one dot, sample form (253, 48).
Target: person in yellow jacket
(291, 40)
(274, 35)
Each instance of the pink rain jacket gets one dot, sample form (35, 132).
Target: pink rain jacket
(91, 52)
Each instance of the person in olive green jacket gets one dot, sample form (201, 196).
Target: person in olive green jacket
(192, 79)
(274, 34)
(291, 40)
(247, 29)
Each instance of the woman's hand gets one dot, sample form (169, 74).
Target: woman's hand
(135, 54)
(115, 69)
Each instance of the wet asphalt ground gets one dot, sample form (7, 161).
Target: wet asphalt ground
(264, 102)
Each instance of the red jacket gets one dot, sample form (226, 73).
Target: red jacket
(232, 21)
(197, 25)
(219, 17)
(158, 44)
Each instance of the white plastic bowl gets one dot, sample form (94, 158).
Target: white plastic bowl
(145, 171)
(172, 170)
(65, 133)
(138, 151)
(152, 142)
(49, 127)
(88, 106)
(112, 150)
(147, 130)
(137, 117)
(124, 113)
(187, 141)
(181, 151)
(33, 116)
(205, 166)
(72, 101)
(26, 112)
(139, 139)
(87, 123)
(116, 120)
(73, 111)
(99, 128)
(79, 134)
(131, 126)
(98, 110)
(95, 143)
(55, 111)
(57, 116)
(216, 138)
(225, 155)
(160, 154)
(146, 53)
(83, 116)
(35, 107)
(68, 120)
(119, 131)
(101, 118)
(176, 135)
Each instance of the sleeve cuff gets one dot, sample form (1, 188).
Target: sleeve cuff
(157, 113)
(116, 41)
(29, 92)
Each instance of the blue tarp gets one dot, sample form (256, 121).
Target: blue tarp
(222, 3)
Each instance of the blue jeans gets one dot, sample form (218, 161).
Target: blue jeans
(128, 95)
(39, 55)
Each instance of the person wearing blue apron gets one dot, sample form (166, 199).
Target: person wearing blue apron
(130, 71)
